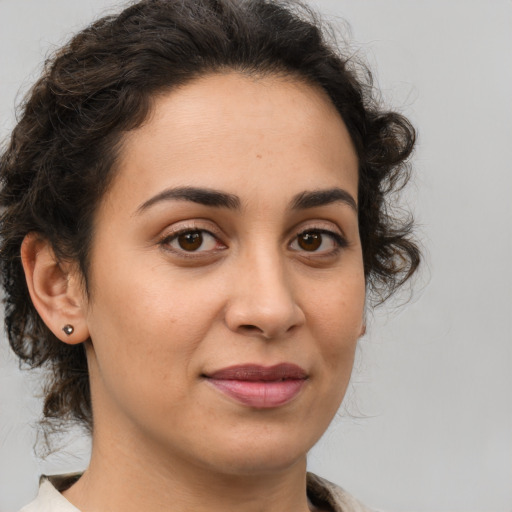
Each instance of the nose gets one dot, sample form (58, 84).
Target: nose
(262, 300)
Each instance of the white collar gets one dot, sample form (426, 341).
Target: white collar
(49, 500)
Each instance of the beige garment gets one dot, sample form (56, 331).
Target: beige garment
(49, 499)
(323, 494)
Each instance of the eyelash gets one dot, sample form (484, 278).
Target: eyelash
(167, 240)
(339, 241)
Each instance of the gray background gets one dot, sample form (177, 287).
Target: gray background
(427, 424)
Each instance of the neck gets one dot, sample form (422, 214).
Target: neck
(129, 479)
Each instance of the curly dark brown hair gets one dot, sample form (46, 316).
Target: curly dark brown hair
(61, 156)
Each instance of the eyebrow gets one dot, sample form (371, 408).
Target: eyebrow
(218, 199)
(316, 198)
(204, 196)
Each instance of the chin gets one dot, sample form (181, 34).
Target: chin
(261, 454)
(254, 465)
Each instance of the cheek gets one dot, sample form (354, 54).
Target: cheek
(338, 321)
(149, 320)
(135, 297)
(143, 330)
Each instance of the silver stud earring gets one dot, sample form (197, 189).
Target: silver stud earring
(68, 329)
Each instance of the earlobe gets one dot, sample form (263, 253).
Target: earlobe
(55, 290)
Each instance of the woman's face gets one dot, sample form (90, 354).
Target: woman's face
(227, 286)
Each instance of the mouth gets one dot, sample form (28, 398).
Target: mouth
(262, 387)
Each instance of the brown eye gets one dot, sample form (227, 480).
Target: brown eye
(193, 240)
(190, 241)
(319, 241)
(309, 241)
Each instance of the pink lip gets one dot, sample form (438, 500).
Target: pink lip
(258, 386)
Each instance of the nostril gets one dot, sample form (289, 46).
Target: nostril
(250, 328)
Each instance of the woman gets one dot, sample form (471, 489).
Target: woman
(197, 190)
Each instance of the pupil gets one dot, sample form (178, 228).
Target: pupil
(190, 241)
(310, 241)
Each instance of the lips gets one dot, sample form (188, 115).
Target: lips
(262, 387)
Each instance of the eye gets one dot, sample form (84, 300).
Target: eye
(192, 240)
(319, 241)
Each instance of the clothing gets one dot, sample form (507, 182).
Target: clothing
(322, 494)
(49, 499)
(328, 496)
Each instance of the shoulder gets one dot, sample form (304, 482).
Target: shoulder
(49, 499)
(323, 494)
(328, 496)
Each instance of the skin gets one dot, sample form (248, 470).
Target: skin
(160, 317)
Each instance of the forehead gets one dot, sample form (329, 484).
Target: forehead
(243, 132)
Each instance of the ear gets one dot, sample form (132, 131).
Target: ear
(55, 289)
